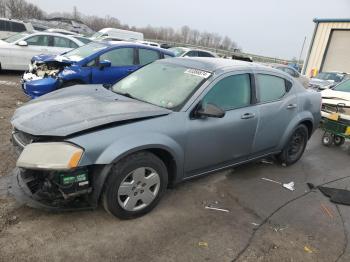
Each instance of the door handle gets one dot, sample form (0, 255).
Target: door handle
(247, 116)
(292, 106)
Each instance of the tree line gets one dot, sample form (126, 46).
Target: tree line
(21, 9)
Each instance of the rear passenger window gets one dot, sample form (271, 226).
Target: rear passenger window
(230, 92)
(147, 56)
(119, 57)
(204, 54)
(18, 27)
(63, 42)
(271, 88)
(192, 54)
(5, 26)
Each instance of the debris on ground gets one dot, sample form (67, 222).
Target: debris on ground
(19, 103)
(308, 250)
(289, 186)
(255, 224)
(217, 209)
(278, 228)
(265, 161)
(327, 211)
(338, 196)
(203, 244)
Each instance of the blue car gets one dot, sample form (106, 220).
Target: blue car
(94, 63)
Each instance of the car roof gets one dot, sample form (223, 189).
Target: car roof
(211, 64)
(112, 44)
(71, 37)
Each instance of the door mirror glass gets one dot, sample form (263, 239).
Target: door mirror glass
(22, 43)
(105, 63)
(209, 110)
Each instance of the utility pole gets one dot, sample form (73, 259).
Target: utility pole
(302, 49)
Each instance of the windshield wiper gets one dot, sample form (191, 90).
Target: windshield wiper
(127, 95)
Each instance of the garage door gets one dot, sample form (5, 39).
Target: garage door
(338, 55)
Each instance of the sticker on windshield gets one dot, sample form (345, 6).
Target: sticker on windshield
(197, 72)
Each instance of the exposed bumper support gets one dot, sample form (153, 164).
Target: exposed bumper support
(19, 190)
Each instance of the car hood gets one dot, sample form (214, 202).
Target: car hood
(335, 97)
(320, 82)
(79, 108)
(4, 43)
(45, 58)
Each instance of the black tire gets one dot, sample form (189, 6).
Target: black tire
(120, 172)
(327, 139)
(338, 140)
(295, 147)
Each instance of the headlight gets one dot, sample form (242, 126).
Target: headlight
(55, 155)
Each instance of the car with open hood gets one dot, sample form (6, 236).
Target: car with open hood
(17, 50)
(170, 121)
(94, 63)
(326, 80)
(337, 100)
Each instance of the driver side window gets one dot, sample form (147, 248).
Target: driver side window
(230, 93)
(119, 57)
(38, 40)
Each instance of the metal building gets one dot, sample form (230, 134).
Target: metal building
(330, 47)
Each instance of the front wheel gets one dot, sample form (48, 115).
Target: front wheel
(295, 146)
(135, 185)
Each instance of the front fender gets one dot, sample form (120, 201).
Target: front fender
(134, 143)
(129, 145)
(301, 117)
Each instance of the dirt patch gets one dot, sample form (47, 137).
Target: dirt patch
(11, 97)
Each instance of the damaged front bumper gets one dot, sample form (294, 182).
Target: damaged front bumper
(39, 87)
(50, 192)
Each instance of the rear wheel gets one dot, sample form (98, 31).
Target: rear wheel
(339, 140)
(295, 146)
(327, 139)
(135, 185)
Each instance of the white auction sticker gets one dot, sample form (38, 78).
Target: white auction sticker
(197, 72)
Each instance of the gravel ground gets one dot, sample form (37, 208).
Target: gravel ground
(265, 222)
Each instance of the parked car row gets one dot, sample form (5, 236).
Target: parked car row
(94, 63)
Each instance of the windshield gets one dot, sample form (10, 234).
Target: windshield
(162, 84)
(83, 39)
(344, 86)
(336, 77)
(80, 53)
(178, 51)
(15, 37)
(98, 34)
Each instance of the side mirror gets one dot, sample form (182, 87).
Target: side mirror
(105, 63)
(22, 43)
(209, 110)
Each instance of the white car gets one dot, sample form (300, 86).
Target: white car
(149, 43)
(191, 52)
(17, 51)
(337, 101)
(10, 27)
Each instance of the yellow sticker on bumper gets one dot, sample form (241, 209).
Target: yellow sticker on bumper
(334, 116)
(347, 132)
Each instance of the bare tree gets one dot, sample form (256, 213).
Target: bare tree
(185, 30)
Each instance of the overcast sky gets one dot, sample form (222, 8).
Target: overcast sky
(266, 27)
